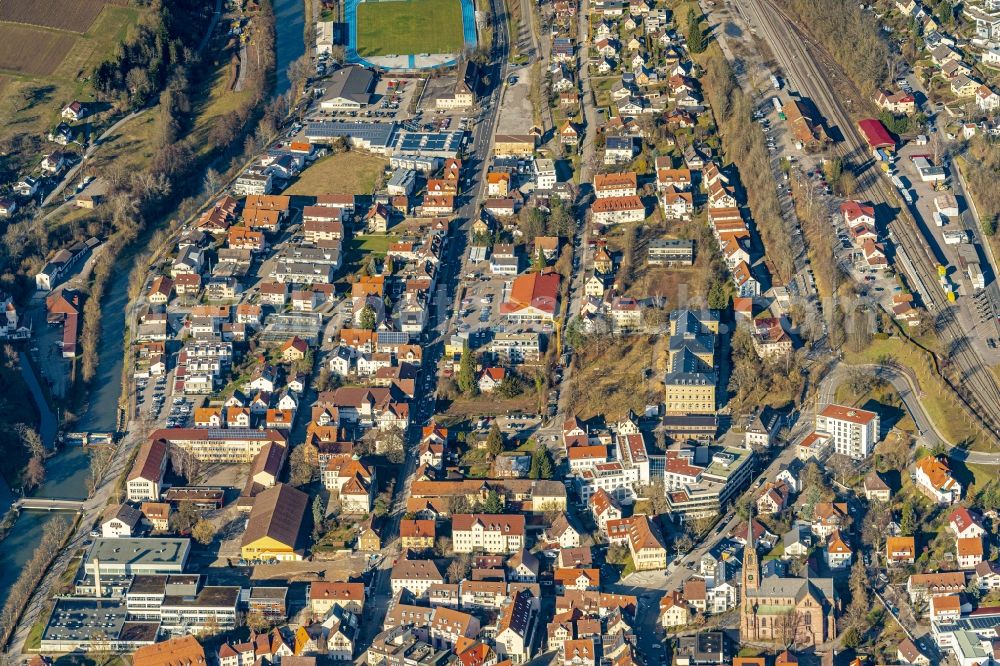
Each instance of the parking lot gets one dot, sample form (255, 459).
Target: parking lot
(482, 295)
(154, 403)
(391, 100)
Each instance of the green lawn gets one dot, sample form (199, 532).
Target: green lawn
(374, 244)
(409, 27)
(936, 398)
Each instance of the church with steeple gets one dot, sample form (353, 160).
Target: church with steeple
(789, 611)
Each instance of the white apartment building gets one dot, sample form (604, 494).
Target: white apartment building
(613, 477)
(490, 533)
(545, 174)
(854, 431)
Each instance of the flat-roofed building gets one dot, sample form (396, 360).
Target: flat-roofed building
(701, 479)
(516, 348)
(110, 563)
(854, 431)
(71, 629)
(670, 252)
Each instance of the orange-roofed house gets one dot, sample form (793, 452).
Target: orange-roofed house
(160, 290)
(294, 349)
(618, 210)
(604, 508)
(417, 534)
(534, 298)
(497, 184)
(946, 608)
(969, 552)
(934, 479)
(674, 610)
(855, 212)
(492, 533)
(577, 579)
(245, 238)
(183, 651)
(208, 417)
(579, 652)
(324, 595)
(900, 550)
(838, 553)
(490, 379)
(622, 184)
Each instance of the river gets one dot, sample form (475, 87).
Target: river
(67, 472)
(290, 44)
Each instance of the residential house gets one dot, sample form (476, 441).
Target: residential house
(933, 478)
(900, 550)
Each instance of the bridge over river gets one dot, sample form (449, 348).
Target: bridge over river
(49, 504)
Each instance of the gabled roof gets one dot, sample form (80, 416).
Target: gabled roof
(963, 519)
(277, 513)
(425, 570)
(937, 472)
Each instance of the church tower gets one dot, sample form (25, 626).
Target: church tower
(751, 566)
(751, 581)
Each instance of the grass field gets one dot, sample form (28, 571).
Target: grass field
(342, 173)
(31, 51)
(405, 27)
(217, 100)
(69, 15)
(936, 398)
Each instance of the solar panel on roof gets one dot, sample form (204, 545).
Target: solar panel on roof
(393, 338)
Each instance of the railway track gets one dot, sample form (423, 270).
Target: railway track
(790, 47)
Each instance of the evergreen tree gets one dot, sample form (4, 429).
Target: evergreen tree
(318, 514)
(907, 520)
(695, 37)
(494, 441)
(467, 372)
(494, 503)
(539, 261)
(546, 470)
(367, 318)
(717, 298)
(536, 465)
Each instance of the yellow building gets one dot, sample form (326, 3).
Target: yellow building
(513, 145)
(273, 530)
(369, 540)
(645, 543)
(691, 379)
(690, 394)
(417, 534)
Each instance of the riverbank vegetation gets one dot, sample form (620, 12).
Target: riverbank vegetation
(19, 441)
(190, 147)
(54, 535)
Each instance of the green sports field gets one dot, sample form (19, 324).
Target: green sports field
(409, 27)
